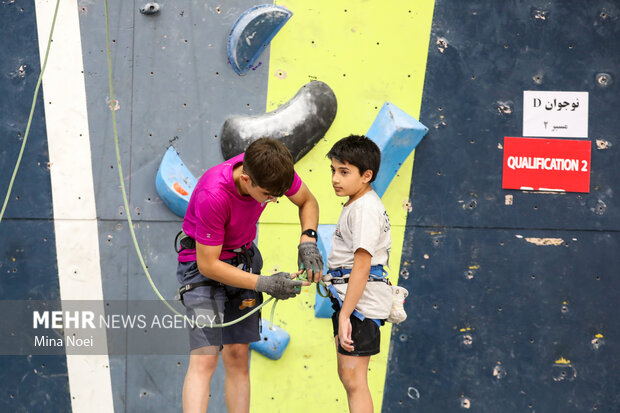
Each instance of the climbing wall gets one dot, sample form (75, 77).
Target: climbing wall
(514, 293)
(27, 250)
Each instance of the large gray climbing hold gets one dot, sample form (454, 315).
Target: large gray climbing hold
(299, 124)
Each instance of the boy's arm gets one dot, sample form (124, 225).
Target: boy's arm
(279, 285)
(309, 219)
(209, 264)
(355, 289)
(357, 281)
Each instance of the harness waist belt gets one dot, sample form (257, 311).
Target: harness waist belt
(189, 243)
(189, 287)
(343, 280)
(375, 271)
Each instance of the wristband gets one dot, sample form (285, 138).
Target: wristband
(311, 233)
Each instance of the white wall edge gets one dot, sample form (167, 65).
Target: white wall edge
(73, 196)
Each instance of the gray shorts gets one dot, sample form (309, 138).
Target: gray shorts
(217, 302)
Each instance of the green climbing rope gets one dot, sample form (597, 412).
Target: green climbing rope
(32, 107)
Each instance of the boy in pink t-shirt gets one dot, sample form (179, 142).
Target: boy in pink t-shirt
(219, 265)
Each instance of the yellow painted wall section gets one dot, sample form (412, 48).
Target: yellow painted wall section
(368, 52)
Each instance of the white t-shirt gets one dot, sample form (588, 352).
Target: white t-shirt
(364, 224)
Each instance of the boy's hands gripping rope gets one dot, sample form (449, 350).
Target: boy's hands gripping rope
(280, 285)
(309, 259)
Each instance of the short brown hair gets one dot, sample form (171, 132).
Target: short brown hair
(270, 165)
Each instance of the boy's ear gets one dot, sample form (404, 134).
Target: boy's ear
(245, 178)
(367, 175)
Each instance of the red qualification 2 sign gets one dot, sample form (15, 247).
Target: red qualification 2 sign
(546, 164)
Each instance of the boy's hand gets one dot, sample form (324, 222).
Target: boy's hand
(279, 285)
(302, 276)
(309, 258)
(344, 333)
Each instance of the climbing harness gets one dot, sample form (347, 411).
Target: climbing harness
(397, 314)
(338, 276)
(242, 260)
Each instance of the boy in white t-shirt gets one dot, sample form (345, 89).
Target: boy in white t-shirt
(361, 295)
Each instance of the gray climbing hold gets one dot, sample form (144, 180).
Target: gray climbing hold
(150, 8)
(299, 124)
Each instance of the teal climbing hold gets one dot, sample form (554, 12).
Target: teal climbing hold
(397, 134)
(174, 182)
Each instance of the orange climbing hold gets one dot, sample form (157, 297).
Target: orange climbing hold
(177, 187)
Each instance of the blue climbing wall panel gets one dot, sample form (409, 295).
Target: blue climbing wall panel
(513, 294)
(28, 249)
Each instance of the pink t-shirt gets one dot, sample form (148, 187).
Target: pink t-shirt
(218, 215)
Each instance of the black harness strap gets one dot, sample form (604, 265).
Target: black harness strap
(184, 241)
(189, 287)
(243, 257)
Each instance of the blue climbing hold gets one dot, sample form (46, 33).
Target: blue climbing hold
(252, 32)
(397, 134)
(323, 305)
(273, 341)
(174, 182)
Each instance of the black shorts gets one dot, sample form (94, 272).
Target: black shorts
(365, 334)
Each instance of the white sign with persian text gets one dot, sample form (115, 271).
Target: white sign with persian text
(555, 114)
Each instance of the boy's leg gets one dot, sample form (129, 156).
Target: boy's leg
(236, 362)
(205, 305)
(236, 339)
(353, 372)
(235, 355)
(196, 387)
(353, 366)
